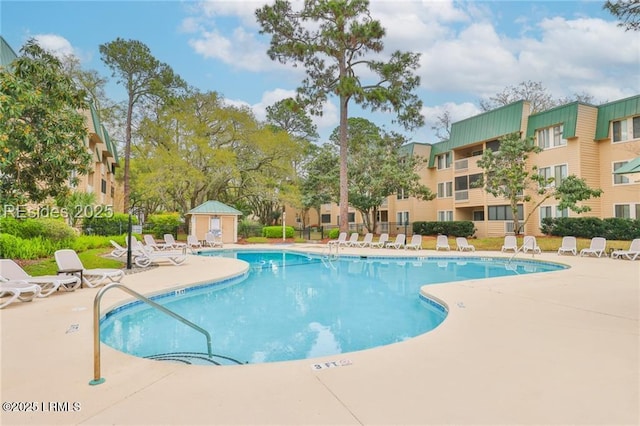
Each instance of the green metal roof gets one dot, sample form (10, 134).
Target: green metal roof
(613, 111)
(101, 131)
(632, 166)
(7, 54)
(483, 127)
(111, 146)
(214, 207)
(567, 115)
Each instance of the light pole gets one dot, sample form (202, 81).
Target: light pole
(129, 243)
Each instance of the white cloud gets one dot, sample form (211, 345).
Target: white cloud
(57, 45)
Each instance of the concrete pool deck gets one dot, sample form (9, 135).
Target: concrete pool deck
(561, 347)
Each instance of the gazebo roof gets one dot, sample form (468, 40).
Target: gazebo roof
(214, 207)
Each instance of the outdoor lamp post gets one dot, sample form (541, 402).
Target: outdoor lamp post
(129, 243)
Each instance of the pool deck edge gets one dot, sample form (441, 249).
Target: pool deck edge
(557, 347)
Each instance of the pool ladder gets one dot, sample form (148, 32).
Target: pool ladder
(328, 255)
(521, 248)
(96, 325)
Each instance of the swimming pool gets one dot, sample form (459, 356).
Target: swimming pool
(297, 306)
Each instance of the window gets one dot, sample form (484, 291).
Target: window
(402, 194)
(402, 218)
(545, 211)
(493, 145)
(619, 179)
(103, 186)
(478, 216)
(474, 180)
(622, 211)
(620, 130)
(636, 127)
(445, 215)
(443, 161)
(627, 211)
(352, 217)
(559, 174)
(504, 212)
(551, 137)
(445, 189)
(468, 182)
(325, 218)
(552, 211)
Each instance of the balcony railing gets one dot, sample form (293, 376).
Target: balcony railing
(460, 165)
(462, 195)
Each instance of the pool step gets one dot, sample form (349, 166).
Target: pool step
(197, 358)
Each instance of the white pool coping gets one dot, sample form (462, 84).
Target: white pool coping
(555, 348)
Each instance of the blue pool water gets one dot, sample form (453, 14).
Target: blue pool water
(296, 306)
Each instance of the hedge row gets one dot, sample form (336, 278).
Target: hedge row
(13, 247)
(50, 229)
(463, 228)
(276, 231)
(589, 227)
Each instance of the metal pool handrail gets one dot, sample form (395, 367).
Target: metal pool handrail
(96, 325)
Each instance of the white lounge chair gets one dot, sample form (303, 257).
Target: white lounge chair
(342, 239)
(596, 247)
(193, 243)
(384, 238)
(530, 244)
(212, 239)
(569, 245)
(632, 254)
(353, 240)
(463, 245)
(442, 242)
(11, 291)
(171, 243)
(150, 242)
(11, 271)
(415, 243)
(398, 243)
(118, 250)
(68, 261)
(510, 243)
(145, 256)
(366, 242)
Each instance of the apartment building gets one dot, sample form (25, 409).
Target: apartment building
(587, 141)
(101, 179)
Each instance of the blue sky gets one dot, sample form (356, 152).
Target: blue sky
(469, 50)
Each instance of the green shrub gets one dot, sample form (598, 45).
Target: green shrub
(102, 225)
(276, 231)
(10, 225)
(462, 228)
(333, 233)
(163, 223)
(589, 227)
(12, 247)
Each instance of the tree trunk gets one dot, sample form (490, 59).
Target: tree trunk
(127, 155)
(344, 177)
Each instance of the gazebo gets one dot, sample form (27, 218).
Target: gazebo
(214, 216)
